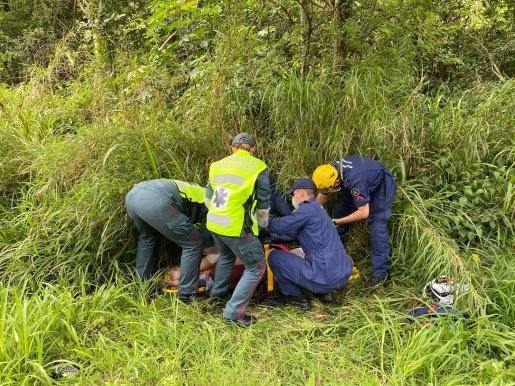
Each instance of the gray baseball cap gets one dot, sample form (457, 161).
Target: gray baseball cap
(244, 139)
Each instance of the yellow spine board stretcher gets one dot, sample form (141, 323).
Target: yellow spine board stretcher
(355, 275)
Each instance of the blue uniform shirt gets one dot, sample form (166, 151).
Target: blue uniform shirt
(365, 180)
(329, 264)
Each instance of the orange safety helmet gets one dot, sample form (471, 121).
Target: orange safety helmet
(324, 177)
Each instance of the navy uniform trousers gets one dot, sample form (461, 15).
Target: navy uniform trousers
(326, 266)
(294, 273)
(155, 206)
(379, 238)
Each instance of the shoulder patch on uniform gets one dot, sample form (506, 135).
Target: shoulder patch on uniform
(354, 192)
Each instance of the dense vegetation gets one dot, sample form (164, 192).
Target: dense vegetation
(98, 95)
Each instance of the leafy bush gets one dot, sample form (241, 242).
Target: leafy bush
(474, 205)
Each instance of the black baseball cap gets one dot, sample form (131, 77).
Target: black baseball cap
(244, 139)
(302, 183)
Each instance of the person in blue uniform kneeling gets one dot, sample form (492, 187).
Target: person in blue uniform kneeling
(366, 190)
(325, 267)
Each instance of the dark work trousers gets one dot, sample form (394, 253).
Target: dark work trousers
(293, 273)
(251, 253)
(379, 238)
(154, 207)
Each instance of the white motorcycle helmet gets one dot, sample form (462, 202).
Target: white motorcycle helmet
(443, 290)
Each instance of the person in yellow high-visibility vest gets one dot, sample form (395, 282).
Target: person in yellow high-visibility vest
(238, 200)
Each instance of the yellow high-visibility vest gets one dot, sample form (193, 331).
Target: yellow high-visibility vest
(191, 191)
(233, 179)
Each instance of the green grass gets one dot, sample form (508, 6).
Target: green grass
(67, 247)
(116, 337)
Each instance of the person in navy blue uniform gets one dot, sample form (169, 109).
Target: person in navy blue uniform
(325, 267)
(279, 205)
(366, 190)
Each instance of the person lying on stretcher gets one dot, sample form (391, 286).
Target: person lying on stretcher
(170, 281)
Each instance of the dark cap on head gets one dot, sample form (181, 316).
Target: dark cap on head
(302, 183)
(244, 139)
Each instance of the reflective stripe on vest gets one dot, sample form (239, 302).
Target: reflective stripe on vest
(219, 219)
(233, 179)
(190, 191)
(228, 179)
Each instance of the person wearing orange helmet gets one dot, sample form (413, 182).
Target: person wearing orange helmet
(366, 190)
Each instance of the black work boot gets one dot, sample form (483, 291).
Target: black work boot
(244, 321)
(190, 298)
(377, 282)
(273, 301)
(325, 298)
(300, 301)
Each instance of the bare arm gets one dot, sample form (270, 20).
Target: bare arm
(205, 264)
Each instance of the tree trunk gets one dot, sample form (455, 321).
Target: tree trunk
(337, 42)
(342, 11)
(305, 36)
(93, 11)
